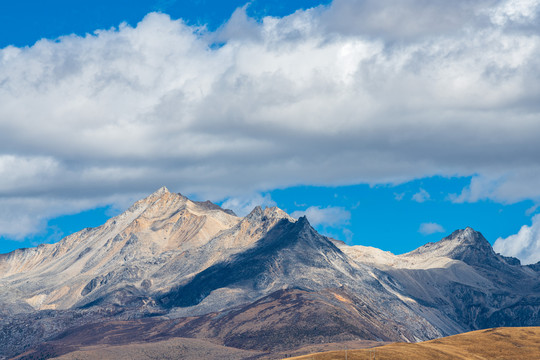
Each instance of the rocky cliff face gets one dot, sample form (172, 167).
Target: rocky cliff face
(252, 282)
(461, 281)
(123, 254)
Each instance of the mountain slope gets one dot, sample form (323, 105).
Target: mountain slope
(462, 279)
(501, 343)
(127, 249)
(292, 255)
(271, 264)
(262, 282)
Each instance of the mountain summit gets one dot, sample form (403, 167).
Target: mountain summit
(466, 245)
(170, 266)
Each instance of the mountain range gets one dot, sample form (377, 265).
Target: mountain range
(169, 268)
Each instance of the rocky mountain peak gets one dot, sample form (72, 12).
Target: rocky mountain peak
(466, 244)
(258, 214)
(275, 212)
(142, 204)
(160, 193)
(163, 204)
(465, 240)
(162, 190)
(213, 274)
(467, 236)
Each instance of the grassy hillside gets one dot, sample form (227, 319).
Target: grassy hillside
(492, 344)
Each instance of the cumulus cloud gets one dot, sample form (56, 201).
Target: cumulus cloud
(404, 19)
(421, 196)
(519, 11)
(328, 216)
(20, 216)
(430, 228)
(450, 89)
(525, 245)
(507, 187)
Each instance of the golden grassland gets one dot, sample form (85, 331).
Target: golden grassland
(491, 344)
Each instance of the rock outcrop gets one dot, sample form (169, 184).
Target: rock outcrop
(262, 282)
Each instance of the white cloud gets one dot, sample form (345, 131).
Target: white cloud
(239, 26)
(344, 89)
(430, 228)
(525, 245)
(403, 19)
(520, 11)
(349, 235)
(532, 209)
(328, 216)
(421, 196)
(504, 187)
(21, 216)
(244, 204)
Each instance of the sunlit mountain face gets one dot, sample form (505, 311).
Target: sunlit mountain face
(351, 172)
(265, 282)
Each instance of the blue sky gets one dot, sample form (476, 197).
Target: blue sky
(388, 124)
(24, 22)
